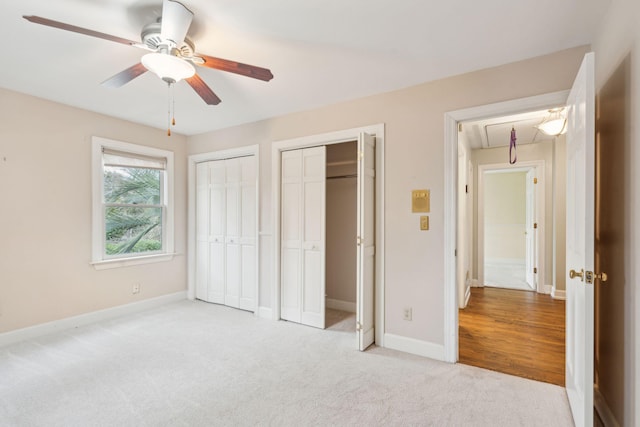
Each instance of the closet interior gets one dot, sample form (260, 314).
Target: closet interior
(341, 234)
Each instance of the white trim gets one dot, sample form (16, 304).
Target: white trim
(249, 150)
(539, 215)
(558, 294)
(327, 139)
(265, 313)
(337, 304)
(414, 346)
(604, 411)
(125, 262)
(467, 296)
(98, 259)
(546, 289)
(88, 318)
(451, 120)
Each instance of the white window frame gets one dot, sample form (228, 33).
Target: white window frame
(99, 259)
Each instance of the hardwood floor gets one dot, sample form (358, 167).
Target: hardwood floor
(515, 332)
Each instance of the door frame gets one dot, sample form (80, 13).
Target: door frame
(539, 209)
(249, 150)
(329, 138)
(451, 120)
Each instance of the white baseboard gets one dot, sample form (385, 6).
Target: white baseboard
(557, 294)
(337, 304)
(604, 412)
(546, 289)
(476, 284)
(414, 346)
(88, 318)
(467, 296)
(265, 313)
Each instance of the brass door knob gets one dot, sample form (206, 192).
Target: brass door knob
(602, 277)
(573, 274)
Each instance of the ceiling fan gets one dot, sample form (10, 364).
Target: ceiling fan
(171, 54)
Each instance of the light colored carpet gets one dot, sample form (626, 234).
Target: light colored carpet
(198, 364)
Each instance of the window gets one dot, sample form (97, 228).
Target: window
(132, 204)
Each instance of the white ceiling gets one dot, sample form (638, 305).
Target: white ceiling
(320, 52)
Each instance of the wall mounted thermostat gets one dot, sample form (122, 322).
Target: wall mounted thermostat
(420, 201)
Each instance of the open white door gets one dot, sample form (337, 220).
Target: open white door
(366, 241)
(530, 232)
(580, 243)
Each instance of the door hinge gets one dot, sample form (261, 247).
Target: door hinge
(535, 180)
(466, 188)
(535, 270)
(459, 127)
(358, 326)
(535, 225)
(358, 240)
(455, 252)
(360, 154)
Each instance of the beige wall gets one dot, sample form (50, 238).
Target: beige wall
(414, 157)
(617, 41)
(505, 209)
(45, 219)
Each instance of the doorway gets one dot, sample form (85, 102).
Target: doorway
(298, 181)
(511, 226)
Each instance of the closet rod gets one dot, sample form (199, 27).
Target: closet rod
(353, 175)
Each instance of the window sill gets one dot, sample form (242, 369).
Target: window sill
(126, 262)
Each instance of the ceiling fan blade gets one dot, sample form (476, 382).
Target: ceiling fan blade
(75, 29)
(203, 90)
(235, 67)
(125, 76)
(176, 20)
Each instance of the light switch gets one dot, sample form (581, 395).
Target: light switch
(424, 223)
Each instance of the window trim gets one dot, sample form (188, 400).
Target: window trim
(98, 257)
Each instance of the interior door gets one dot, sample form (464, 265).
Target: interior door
(303, 236)
(202, 230)
(314, 174)
(530, 237)
(233, 248)
(366, 241)
(580, 243)
(248, 229)
(217, 225)
(291, 235)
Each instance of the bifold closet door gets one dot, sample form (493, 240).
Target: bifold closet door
(240, 233)
(226, 230)
(303, 214)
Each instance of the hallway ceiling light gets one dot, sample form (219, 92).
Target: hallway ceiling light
(555, 124)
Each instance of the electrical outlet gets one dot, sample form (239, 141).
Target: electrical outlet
(136, 288)
(407, 313)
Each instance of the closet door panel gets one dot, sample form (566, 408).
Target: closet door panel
(216, 272)
(313, 218)
(248, 240)
(234, 273)
(202, 231)
(248, 278)
(291, 235)
(292, 264)
(217, 220)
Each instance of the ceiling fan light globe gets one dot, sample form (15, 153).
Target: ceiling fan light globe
(554, 127)
(168, 67)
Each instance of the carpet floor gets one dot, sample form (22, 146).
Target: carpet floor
(198, 364)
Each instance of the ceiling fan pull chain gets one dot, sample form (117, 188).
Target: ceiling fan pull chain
(168, 109)
(173, 106)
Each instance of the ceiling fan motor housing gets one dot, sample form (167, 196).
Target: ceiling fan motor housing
(151, 37)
